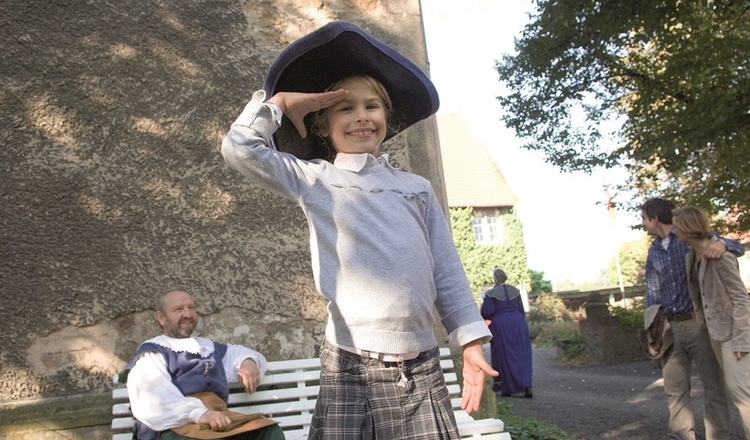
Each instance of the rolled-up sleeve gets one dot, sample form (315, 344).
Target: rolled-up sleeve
(234, 357)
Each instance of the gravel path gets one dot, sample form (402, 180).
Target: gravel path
(623, 402)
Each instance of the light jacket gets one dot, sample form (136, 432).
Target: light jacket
(721, 296)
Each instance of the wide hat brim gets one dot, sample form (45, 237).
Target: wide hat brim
(656, 348)
(337, 50)
(240, 422)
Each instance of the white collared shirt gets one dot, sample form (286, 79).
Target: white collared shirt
(358, 161)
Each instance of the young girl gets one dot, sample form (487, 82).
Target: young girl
(722, 299)
(382, 253)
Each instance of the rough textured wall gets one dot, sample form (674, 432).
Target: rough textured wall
(112, 187)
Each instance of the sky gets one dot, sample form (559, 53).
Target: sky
(566, 226)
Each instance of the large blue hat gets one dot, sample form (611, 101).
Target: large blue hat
(336, 50)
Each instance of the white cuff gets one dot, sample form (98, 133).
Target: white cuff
(468, 333)
(277, 113)
(196, 414)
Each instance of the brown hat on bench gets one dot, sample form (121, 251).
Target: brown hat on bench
(240, 422)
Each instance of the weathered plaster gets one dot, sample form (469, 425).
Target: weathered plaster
(112, 187)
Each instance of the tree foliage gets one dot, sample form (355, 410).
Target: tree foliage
(479, 260)
(538, 283)
(632, 256)
(661, 87)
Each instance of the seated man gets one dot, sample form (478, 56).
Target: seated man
(166, 370)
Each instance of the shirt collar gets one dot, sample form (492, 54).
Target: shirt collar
(658, 241)
(360, 161)
(201, 346)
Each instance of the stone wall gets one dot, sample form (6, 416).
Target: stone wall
(113, 189)
(607, 340)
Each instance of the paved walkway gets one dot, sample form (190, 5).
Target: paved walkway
(623, 402)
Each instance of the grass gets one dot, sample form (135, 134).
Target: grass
(523, 428)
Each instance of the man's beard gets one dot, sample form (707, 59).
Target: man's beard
(183, 329)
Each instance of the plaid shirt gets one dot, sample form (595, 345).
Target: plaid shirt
(666, 279)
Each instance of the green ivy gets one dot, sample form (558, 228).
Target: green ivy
(479, 260)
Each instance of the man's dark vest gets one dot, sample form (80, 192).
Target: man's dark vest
(190, 373)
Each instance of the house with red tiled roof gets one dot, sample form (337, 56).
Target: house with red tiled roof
(472, 179)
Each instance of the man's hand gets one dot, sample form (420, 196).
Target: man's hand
(297, 105)
(217, 420)
(249, 375)
(475, 367)
(715, 249)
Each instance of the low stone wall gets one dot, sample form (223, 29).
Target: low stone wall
(575, 299)
(72, 417)
(607, 340)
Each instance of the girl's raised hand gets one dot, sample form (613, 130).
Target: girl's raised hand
(297, 105)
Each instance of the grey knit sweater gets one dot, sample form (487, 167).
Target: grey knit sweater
(382, 253)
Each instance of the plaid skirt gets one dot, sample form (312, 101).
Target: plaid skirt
(368, 399)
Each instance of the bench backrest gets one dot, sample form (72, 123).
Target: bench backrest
(287, 394)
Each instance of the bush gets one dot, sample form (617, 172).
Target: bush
(551, 324)
(535, 329)
(565, 335)
(521, 428)
(549, 307)
(631, 316)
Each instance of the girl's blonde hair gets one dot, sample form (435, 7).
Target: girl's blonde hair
(319, 119)
(692, 222)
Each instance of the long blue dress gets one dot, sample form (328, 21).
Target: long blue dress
(511, 343)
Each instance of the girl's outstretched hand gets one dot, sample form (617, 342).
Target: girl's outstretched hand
(475, 367)
(297, 105)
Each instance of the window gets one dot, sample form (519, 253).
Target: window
(488, 227)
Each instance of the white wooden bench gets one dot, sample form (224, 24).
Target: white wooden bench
(287, 394)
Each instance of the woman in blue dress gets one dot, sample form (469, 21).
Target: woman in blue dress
(511, 343)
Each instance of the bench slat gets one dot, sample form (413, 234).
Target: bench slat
(273, 395)
(453, 389)
(294, 364)
(121, 423)
(450, 378)
(496, 436)
(278, 408)
(290, 377)
(481, 426)
(295, 434)
(120, 393)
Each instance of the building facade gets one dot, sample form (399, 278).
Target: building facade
(114, 190)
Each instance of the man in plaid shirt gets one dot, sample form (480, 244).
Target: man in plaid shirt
(666, 284)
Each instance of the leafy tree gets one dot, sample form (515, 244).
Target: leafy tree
(479, 260)
(661, 87)
(538, 283)
(632, 257)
